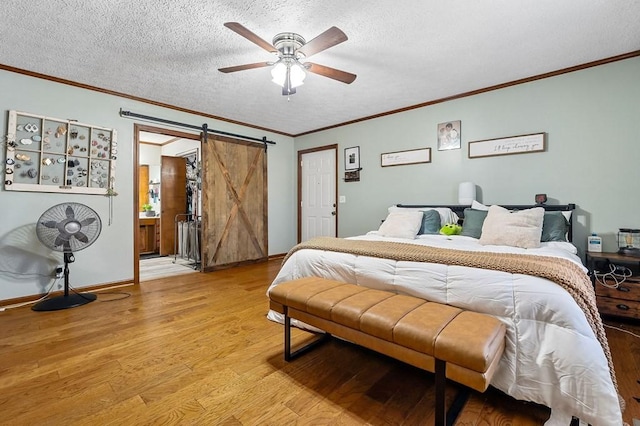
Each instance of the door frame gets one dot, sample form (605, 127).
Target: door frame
(300, 154)
(137, 128)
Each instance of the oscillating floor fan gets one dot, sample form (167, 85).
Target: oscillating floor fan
(67, 227)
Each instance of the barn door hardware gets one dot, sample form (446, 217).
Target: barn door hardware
(204, 128)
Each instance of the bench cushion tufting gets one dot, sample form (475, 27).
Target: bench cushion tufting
(408, 328)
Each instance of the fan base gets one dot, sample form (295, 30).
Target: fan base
(64, 302)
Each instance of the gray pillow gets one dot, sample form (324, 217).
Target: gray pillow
(554, 227)
(472, 224)
(430, 222)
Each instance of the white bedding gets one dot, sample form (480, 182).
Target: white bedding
(552, 356)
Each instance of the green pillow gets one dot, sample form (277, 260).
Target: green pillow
(554, 227)
(472, 223)
(430, 222)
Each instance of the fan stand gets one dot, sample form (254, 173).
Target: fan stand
(66, 300)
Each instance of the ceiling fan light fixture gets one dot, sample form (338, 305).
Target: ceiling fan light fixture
(297, 75)
(279, 73)
(288, 74)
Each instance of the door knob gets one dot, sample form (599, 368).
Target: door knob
(333, 213)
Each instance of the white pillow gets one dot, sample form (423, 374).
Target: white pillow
(446, 214)
(401, 224)
(522, 228)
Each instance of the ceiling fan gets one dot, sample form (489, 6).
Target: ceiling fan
(292, 49)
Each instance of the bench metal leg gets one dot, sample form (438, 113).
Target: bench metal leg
(444, 417)
(575, 421)
(457, 405)
(441, 383)
(288, 355)
(287, 336)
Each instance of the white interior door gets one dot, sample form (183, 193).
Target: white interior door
(318, 214)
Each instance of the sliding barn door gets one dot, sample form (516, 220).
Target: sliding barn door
(234, 203)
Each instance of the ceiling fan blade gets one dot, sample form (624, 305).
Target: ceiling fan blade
(333, 73)
(246, 33)
(327, 39)
(245, 67)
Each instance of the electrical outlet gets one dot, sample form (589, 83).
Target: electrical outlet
(59, 271)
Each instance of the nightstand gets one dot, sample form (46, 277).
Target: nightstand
(623, 301)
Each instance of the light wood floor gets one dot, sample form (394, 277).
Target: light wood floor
(197, 349)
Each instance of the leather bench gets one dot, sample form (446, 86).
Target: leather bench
(455, 344)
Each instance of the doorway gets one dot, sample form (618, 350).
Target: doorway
(168, 192)
(317, 190)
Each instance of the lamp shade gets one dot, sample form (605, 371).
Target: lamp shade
(279, 74)
(466, 193)
(282, 71)
(297, 75)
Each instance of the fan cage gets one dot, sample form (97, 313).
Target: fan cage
(71, 215)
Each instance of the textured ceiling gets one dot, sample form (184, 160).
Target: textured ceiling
(404, 52)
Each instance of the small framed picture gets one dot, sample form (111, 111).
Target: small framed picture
(352, 158)
(449, 135)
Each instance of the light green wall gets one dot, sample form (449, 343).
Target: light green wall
(25, 264)
(591, 117)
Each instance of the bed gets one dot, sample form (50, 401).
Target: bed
(556, 353)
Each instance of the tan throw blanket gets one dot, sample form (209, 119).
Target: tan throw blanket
(561, 271)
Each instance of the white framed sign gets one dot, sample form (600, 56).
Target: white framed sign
(522, 144)
(413, 156)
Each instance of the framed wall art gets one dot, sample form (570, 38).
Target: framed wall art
(523, 144)
(352, 158)
(449, 135)
(399, 158)
(47, 154)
